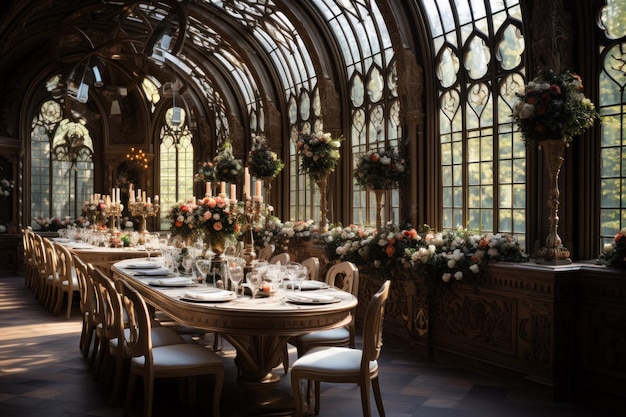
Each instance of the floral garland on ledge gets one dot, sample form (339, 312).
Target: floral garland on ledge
(319, 153)
(553, 106)
(227, 167)
(614, 253)
(262, 161)
(380, 169)
(440, 257)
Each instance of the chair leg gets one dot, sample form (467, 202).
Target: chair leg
(285, 359)
(148, 391)
(132, 379)
(378, 398)
(365, 397)
(317, 397)
(297, 395)
(217, 392)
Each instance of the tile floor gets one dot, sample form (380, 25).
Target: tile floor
(43, 374)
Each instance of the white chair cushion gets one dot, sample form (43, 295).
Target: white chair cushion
(179, 356)
(341, 333)
(332, 360)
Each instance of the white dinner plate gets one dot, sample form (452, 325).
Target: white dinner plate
(218, 296)
(172, 282)
(311, 298)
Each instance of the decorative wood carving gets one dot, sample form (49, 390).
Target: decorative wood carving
(552, 35)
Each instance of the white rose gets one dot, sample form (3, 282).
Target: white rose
(474, 268)
(451, 263)
(528, 110)
(377, 263)
(385, 160)
(446, 277)
(458, 276)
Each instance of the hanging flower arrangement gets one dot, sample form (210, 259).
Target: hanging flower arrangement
(553, 106)
(205, 173)
(319, 153)
(262, 161)
(227, 168)
(380, 169)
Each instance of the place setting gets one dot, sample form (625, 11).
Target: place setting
(210, 295)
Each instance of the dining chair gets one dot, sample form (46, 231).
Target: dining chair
(312, 265)
(39, 276)
(67, 283)
(87, 298)
(51, 274)
(266, 253)
(346, 365)
(345, 276)
(115, 329)
(282, 258)
(171, 361)
(29, 257)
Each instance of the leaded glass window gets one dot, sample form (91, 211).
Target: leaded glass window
(176, 168)
(478, 46)
(62, 169)
(612, 105)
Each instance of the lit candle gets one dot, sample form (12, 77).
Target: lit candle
(246, 182)
(113, 195)
(143, 196)
(222, 188)
(208, 189)
(138, 194)
(149, 201)
(156, 199)
(118, 195)
(258, 185)
(233, 192)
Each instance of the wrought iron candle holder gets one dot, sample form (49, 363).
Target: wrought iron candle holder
(143, 209)
(113, 211)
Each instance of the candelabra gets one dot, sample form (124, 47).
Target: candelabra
(113, 211)
(252, 212)
(143, 209)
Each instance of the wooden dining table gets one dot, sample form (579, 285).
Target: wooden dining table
(257, 328)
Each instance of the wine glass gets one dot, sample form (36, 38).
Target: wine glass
(254, 280)
(235, 275)
(299, 277)
(204, 266)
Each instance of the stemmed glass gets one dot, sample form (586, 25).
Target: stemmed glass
(254, 280)
(299, 277)
(235, 274)
(204, 265)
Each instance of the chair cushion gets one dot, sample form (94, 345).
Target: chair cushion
(332, 361)
(173, 358)
(325, 336)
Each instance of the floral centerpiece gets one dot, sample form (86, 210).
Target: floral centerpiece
(6, 188)
(348, 243)
(553, 106)
(94, 211)
(380, 169)
(614, 253)
(262, 161)
(205, 173)
(227, 167)
(183, 219)
(216, 220)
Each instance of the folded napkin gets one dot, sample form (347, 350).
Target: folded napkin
(142, 265)
(219, 295)
(175, 281)
(311, 298)
(307, 285)
(157, 272)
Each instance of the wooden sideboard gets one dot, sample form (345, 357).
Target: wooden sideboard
(559, 331)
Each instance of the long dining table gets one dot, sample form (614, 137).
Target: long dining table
(257, 328)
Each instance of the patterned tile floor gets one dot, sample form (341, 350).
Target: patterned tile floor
(43, 374)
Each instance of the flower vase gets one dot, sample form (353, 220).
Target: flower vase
(379, 193)
(553, 156)
(322, 184)
(267, 188)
